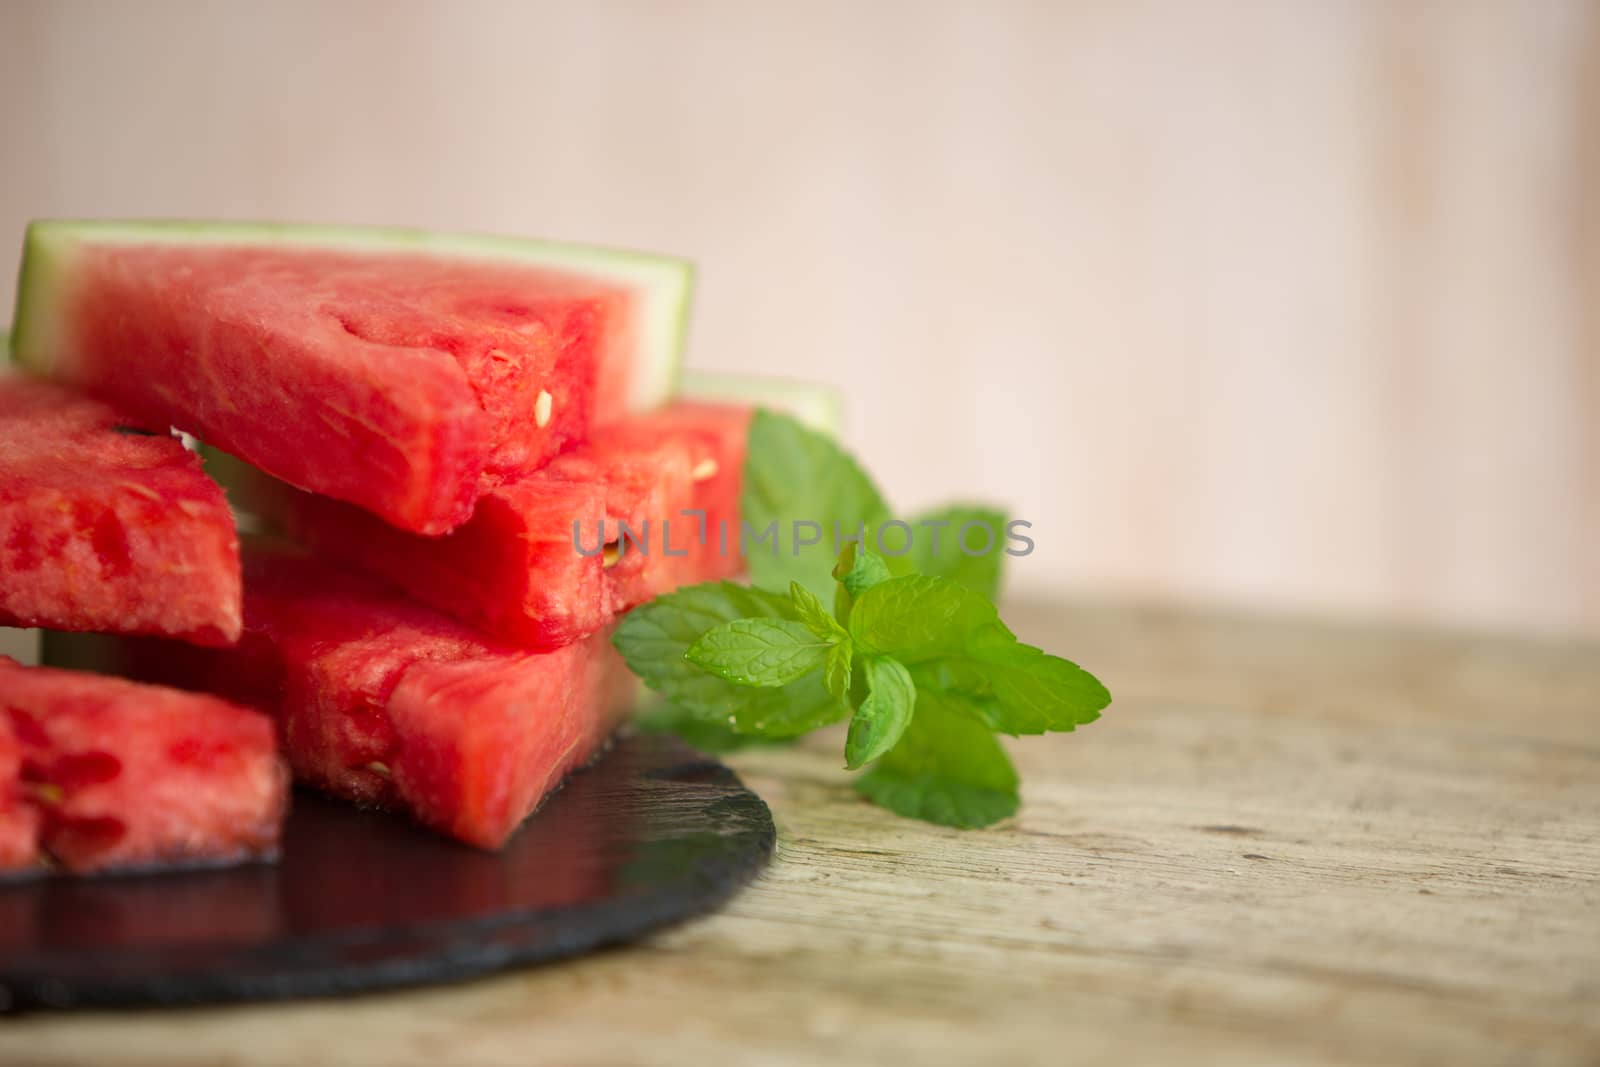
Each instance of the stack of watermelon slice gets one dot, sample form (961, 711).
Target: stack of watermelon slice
(448, 435)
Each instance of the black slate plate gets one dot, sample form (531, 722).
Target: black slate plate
(653, 833)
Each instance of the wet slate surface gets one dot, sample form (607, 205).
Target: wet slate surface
(653, 833)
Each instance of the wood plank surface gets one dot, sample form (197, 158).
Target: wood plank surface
(1286, 842)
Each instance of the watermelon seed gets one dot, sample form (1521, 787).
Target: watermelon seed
(45, 792)
(705, 470)
(142, 490)
(378, 768)
(541, 409)
(609, 557)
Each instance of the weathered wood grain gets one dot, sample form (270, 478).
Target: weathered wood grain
(1285, 843)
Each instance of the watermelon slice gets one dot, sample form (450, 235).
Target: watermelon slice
(387, 703)
(400, 370)
(515, 570)
(130, 776)
(103, 529)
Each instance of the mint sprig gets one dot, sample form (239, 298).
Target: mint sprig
(914, 652)
(655, 639)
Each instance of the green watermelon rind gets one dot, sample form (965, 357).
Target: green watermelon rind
(664, 283)
(817, 406)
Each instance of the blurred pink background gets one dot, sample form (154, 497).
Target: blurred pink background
(1286, 305)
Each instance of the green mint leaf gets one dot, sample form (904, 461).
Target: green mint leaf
(856, 571)
(945, 537)
(759, 652)
(947, 769)
(1016, 688)
(859, 570)
(883, 717)
(654, 639)
(841, 603)
(1035, 692)
(794, 475)
(919, 617)
(708, 735)
(953, 640)
(814, 615)
(836, 671)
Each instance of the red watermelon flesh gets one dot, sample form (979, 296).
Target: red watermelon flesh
(515, 571)
(716, 436)
(107, 530)
(132, 776)
(19, 822)
(401, 372)
(389, 704)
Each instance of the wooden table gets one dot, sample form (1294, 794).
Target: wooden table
(1285, 843)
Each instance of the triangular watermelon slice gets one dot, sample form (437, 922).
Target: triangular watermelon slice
(532, 565)
(103, 528)
(401, 370)
(389, 704)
